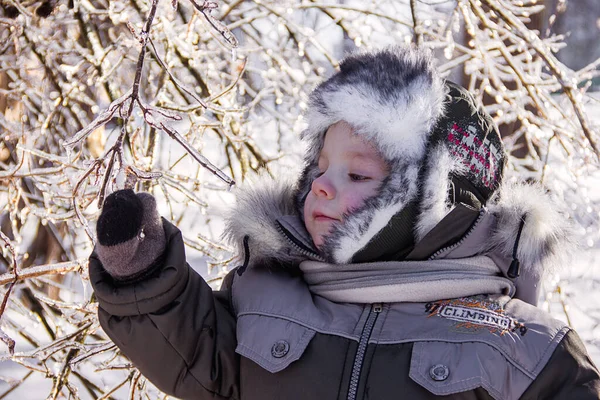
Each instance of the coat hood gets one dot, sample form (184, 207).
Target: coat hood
(265, 206)
(446, 161)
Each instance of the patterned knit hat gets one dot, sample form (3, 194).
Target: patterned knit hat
(434, 138)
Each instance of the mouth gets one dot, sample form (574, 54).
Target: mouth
(320, 217)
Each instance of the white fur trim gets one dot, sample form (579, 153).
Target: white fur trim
(434, 201)
(348, 246)
(259, 202)
(393, 102)
(546, 241)
(399, 126)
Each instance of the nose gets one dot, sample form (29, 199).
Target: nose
(323, 187)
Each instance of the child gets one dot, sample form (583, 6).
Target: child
(397, 266)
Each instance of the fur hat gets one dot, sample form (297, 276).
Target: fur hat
(433, 136)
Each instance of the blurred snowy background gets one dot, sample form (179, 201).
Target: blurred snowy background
(94, 96)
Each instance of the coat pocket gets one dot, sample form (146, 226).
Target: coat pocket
(271, 342)
(445, 368)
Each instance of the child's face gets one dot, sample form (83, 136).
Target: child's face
(351, 171)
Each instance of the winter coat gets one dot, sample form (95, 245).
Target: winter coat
(264, 335)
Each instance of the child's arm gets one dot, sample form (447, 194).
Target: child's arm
(569, 374)
(158, 310)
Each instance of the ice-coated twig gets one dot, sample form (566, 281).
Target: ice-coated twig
(43, 353)
(109, 168)
(106, 394)
(195, 153)
(133, 32)
(553, 65)
(187, 193)
(49, 269)
(14, 385)
(221, 28)
(132, 169)
(160, 122)
(174, 79)
(95, 165)
(418, 37)
(60, 304)
(11, 249)
(205, 9)
(241, 70)
(163, 187)
(95, 350)
(290, 25)
(10, 342)
(3, 336)
(100, 120)
(125, 105)
(61, 379)
(133, 386)
(154, 114)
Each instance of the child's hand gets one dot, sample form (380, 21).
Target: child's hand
(130, 234)
(121, 218)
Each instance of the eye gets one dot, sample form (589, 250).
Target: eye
(358, 178)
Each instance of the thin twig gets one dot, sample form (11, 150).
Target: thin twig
(3, 336)
(418, 38)
(50, 269)
(15, 386)
(553, 65)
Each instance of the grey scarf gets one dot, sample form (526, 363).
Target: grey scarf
(406, 281)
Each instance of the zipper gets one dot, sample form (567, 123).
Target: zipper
(462, 240)
(362, 349)
(298, 246)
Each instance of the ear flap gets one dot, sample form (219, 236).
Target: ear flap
(465, 160)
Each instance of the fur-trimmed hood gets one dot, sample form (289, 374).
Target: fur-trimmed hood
(433, 136)
(545, 243)
(446, 161)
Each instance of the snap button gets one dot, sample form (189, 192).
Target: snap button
(439, 372)
(280, 349)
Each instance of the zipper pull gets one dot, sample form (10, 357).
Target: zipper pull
(377, 307)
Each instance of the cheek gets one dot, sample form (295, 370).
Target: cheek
(308, 203)
(356, 198)
(352, 201)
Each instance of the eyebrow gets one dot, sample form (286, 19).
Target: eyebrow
(356, 155)
(363, 158)
(371, 160)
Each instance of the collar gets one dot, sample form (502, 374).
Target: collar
(265, 206)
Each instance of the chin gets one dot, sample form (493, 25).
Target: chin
(317, 240)
(318, 243)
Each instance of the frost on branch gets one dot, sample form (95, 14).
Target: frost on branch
(181, 98)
